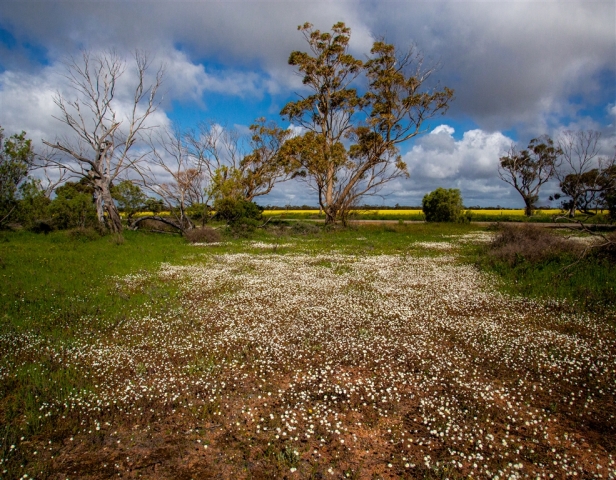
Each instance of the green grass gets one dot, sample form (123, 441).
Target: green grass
(59, 288)
(585, 284)
(56, 279)
(589, 285)
(365, 239)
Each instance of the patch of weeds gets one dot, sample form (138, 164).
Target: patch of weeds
(304, 228)
(534, 262)
(84, 234)
(203, 235)
(202, 365)
(342, 269)
(288, 457)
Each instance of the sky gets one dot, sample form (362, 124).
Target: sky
(519, 69)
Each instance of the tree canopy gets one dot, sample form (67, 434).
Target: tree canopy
(16, 156)
(350, 145)
(529, 169)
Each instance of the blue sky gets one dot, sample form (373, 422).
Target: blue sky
(519, 69)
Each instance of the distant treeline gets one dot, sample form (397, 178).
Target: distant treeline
(386, 207)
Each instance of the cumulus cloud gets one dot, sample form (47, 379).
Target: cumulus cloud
(511, 64)
(439, 160)
(436, 160)
(439, 156)
(520, 66)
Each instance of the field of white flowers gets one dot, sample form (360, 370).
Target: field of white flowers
(334, 365)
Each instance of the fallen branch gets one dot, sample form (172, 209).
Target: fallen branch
(134, 225)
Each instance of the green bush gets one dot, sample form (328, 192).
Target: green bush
(33, 207)
(444, 205)
(199, 212)
(610, 201)
(15, 157)
(237, 210)
(129, 197)
(73, 206)
(154, 205)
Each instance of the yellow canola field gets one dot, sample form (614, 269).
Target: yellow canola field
(517, 212)
(513, 212)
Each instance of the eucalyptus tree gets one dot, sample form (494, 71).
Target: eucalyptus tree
(106, 123)
(527, 170)
(350, 147)
(16, 156)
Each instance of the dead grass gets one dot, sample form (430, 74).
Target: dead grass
(533, 244)
(203, 235)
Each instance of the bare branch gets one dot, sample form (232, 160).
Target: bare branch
(93, 117)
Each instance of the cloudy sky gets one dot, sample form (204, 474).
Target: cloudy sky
(519, 69)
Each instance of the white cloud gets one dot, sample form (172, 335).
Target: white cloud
(27, 101)
(443, 129)
(439, 156)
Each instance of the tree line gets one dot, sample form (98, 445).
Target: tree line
(586, 180)
(346, 144)
(347, 147)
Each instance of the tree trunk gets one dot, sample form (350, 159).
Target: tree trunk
(114, 219)
(331, 215)
(98, 200)
(528, 208)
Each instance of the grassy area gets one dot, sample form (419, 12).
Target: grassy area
(70, 273)
(299, 352)
(549, 265)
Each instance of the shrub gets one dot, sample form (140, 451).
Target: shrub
(443, 205)
(41, 226)
(33, 207)
(237, 210)
(130, 197)
(199, 212)
(304, 228)
(154, 205)
(610, 202)
(73, 206)
(515, 243)
(202, 235)
(84, 234)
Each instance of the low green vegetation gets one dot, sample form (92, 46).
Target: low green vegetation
(59, 277)
(538, 263)
(74, 302)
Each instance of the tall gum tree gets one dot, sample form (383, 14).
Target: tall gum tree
(527, 170)
(350, 148)
(105, 130)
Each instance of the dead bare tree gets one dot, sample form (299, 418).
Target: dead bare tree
(578, 171)
(105, 127)
(191, 169)
(185, 175)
